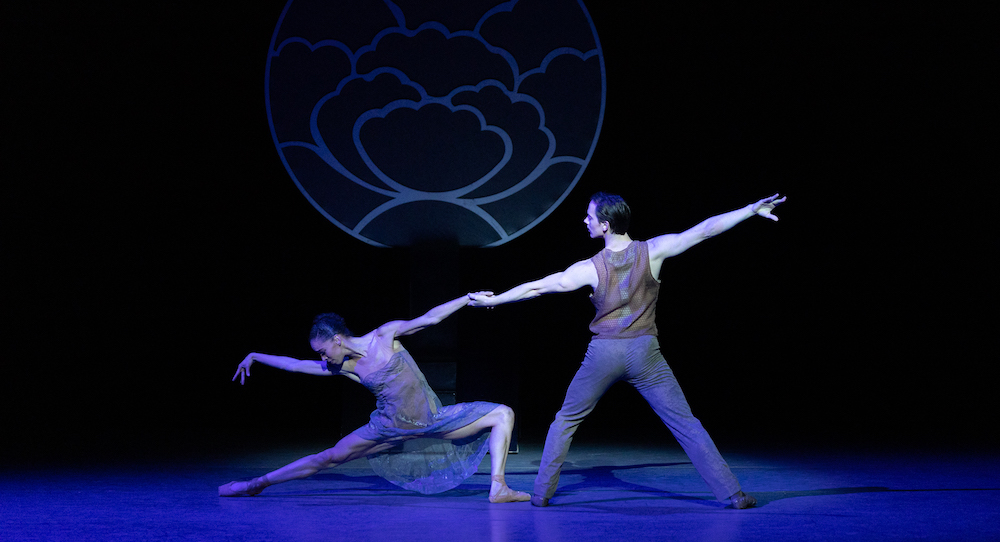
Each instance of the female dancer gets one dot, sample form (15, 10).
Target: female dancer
(407, 411)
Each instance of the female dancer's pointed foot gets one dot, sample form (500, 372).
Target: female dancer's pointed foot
(506, 494)
(242, 489)
(229, 490)
(499, 492)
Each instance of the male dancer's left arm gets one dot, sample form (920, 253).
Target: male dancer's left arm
(672, 244)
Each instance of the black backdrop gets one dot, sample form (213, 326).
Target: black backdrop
(152, 237)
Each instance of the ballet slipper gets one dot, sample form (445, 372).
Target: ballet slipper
(226, 490)
(506, 494)
(254, 487)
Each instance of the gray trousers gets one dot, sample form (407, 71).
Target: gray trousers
(639, 362)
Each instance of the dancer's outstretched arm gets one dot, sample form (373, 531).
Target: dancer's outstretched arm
(672, 244)
(400, 328)
(576, 276)
(307, 366)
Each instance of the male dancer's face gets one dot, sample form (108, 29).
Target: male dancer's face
(594, 226)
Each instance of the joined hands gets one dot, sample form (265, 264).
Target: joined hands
(482, 299)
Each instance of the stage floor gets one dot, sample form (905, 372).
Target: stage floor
(607, 492)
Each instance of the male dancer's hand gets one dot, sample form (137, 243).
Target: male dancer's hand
(766, 205)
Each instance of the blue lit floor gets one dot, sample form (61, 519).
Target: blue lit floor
(611, 492)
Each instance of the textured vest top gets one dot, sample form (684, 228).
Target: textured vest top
(626, 293)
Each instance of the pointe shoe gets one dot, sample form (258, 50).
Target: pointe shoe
(226, 490)
(509, 495)
(538, 500)
(742, 501)
(254, 487)
(506, 494)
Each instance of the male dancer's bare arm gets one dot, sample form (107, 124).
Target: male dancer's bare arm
(576, 276)
(672, 244)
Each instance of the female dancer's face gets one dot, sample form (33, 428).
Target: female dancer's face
(329, 350)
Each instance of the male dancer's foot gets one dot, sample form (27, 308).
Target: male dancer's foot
(741, 500)
(538, 500)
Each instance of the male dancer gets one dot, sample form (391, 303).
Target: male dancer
(625, 279)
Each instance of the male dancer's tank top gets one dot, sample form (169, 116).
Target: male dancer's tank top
(626, 293)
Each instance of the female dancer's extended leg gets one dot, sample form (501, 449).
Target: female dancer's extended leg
(500, 421)
(348, 448)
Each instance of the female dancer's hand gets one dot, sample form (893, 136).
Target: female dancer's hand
(243, 370)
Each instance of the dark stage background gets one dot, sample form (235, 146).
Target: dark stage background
(152, 237)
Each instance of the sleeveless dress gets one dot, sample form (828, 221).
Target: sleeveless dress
(409, 413)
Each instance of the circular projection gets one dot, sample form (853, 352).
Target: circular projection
(462, 121)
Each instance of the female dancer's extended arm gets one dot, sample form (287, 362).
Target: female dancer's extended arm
(400, 328)
(307, 366)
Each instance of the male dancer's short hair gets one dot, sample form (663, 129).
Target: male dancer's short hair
(611, 208)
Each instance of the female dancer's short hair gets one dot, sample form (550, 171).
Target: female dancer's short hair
(326, 325)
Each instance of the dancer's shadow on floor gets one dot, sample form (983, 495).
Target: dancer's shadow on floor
(605, 478)
(596, 480)
(340, 484)
(772, 496)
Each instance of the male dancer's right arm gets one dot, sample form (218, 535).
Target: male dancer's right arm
(576, 276)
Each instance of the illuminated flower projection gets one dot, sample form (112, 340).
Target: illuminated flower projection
(412, 121)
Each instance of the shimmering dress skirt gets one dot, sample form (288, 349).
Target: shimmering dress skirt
(410, 414)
